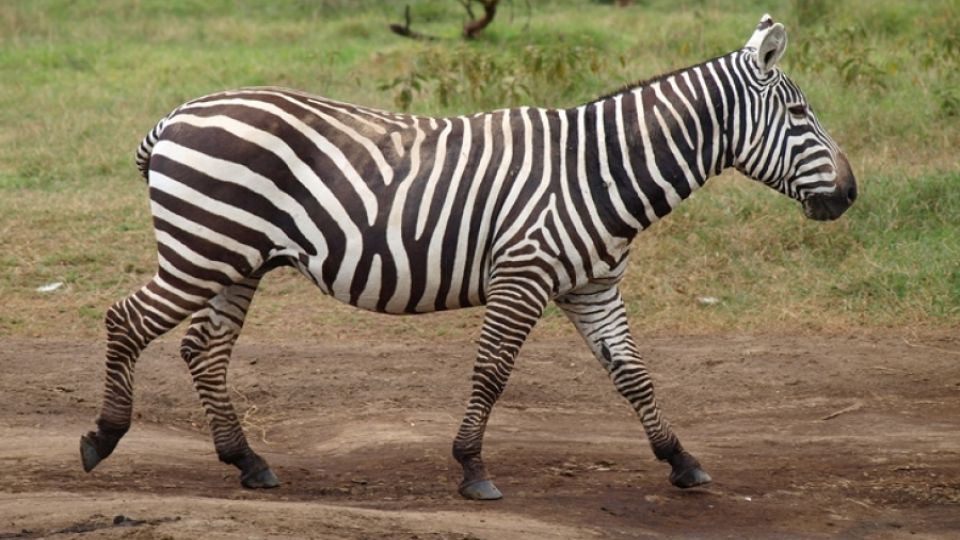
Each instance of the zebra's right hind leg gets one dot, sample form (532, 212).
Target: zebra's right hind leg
(206, 348)
(132, 324)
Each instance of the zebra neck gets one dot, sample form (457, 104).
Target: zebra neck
(658, 142)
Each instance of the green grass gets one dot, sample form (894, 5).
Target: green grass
(82, 81)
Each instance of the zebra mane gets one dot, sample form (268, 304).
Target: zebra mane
(656, 78)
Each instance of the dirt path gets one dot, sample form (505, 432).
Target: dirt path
(805, 437)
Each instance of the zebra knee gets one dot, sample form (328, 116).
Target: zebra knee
(118, 324)
(196, 340)
(132, 324)
(114, 317)
(191, 346)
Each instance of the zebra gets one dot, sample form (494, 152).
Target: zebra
(398, 213)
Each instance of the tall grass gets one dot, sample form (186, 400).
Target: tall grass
(81, 82)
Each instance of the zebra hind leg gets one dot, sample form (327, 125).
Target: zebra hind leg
(600, 317)
(132, 324)
(206, 349)
(511, 314)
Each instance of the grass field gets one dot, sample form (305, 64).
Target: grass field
(82, 81)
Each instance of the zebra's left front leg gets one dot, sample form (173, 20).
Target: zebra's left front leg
(512, 311)
(206, 349)
(599, 314)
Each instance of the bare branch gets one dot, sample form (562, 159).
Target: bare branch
(405, 31)
(474, 26)
(467, 6)
(470, 29)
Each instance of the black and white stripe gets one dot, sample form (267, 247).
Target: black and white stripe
(408, 214)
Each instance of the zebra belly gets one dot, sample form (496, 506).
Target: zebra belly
(374, 288)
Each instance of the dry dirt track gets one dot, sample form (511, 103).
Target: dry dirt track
(359, 432)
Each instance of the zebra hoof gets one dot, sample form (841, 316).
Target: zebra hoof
(481, 490)
(689, 478)
(88, 453)
(262, 479)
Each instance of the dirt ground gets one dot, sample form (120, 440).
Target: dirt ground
(806, 437)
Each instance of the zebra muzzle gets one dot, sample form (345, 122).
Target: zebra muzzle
(823, 208)
(828, 206)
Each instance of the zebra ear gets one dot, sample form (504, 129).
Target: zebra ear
(769, 41)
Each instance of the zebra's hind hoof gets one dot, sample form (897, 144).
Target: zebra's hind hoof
(88, 452)
(262, 479)
(689, 478)
(481, 490)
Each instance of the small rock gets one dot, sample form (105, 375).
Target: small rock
(50, 287)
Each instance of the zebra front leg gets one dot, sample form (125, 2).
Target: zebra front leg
(600, 316)
(131, 325)
(512, 311)
(206, 348)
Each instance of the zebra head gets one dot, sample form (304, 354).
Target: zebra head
(782, 143)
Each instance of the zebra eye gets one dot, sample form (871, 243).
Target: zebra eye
(798, 111)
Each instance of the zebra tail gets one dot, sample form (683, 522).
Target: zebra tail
(146, 145)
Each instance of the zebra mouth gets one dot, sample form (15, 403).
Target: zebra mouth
(823, 207)
(827, 206)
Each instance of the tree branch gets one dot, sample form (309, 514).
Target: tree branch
(470, 29)
(405, 31)
(474, 26)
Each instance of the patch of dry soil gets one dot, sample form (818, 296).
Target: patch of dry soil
(805, 437)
